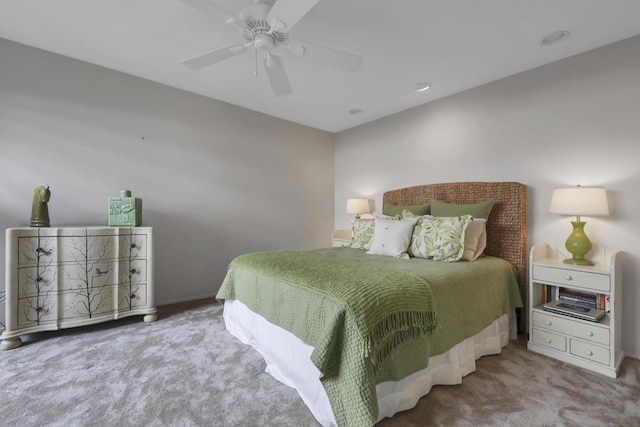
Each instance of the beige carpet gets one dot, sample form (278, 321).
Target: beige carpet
(186, 370)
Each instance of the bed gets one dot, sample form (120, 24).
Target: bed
(358, 349)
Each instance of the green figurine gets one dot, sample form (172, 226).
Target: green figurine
(39, 209)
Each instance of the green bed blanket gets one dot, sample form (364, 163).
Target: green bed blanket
(370, 318)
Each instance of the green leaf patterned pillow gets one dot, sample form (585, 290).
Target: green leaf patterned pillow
(362, 233)
(439, 238)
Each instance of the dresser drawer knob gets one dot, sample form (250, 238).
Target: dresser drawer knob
(548, 322)
(568, 278)
(589, 333)
(548, 340)
(589, 353)
(134, 271)
(133, 246)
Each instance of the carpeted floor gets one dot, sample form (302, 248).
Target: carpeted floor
(186, 370)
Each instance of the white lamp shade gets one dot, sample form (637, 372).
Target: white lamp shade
(591, 201)
(357, 206)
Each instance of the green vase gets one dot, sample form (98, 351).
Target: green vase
(125, 210)
(578, 244)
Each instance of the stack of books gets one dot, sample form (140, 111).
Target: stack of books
(600, 301)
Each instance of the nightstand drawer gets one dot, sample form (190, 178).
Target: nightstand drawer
(591, 352)
(588, 280)
(571, 327)
(550, 340)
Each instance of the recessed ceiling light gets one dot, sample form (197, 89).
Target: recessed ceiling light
(555, 37)
(421, 87)
(355, 111)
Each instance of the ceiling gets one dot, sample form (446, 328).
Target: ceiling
(452, 44)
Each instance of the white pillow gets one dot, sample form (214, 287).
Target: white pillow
(391, 237)
(379, 215)
(475, 239)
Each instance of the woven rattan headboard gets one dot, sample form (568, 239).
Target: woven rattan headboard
(507, 223)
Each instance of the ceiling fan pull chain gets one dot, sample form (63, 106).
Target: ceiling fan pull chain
(256, 62)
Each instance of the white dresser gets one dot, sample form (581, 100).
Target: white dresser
(65, 277)
(592, 345)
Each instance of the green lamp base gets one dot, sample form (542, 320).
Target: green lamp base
(578, 245)
(577, 261)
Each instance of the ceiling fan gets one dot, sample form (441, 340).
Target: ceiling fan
(265, 25)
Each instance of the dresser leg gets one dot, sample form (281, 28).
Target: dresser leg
(150, 318)
(10, 343)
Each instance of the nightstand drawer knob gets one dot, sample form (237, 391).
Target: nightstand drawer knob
(568, 278)
(548, 322)
(589, 353)
(589, 333)
(548, 340)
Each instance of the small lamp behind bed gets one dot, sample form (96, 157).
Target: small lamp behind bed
(579, 201)
(358, 206)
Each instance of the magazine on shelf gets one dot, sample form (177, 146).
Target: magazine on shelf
(579, 311)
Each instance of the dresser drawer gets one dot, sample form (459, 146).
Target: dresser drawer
(583, 279)
(590, 352)
(568, 326)
(549, 340)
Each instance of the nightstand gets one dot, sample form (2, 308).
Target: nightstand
(596, 346)
(341, 238)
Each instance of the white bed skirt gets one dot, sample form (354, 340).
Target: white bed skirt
(288, 360)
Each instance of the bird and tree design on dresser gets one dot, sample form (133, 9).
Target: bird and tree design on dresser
(65, 277)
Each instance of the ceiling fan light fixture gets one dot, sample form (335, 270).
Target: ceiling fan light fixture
(264, 42)
(555, 37)
(421, 87)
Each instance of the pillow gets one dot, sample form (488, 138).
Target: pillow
(389, 208)
(391, 237)
(378, 215)
(475, 239)
(363, 230)
(439, 238)
(409, 214)
(362, 233)
(476, 210)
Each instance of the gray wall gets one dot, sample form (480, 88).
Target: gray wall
(216, 180)
(576, 121)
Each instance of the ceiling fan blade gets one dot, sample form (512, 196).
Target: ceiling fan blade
(277, 75)
(210, 9)
(214, 56)
(286, 13)
(326, 56)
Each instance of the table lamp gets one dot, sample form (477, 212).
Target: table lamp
(358, 206)
(579, 201)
